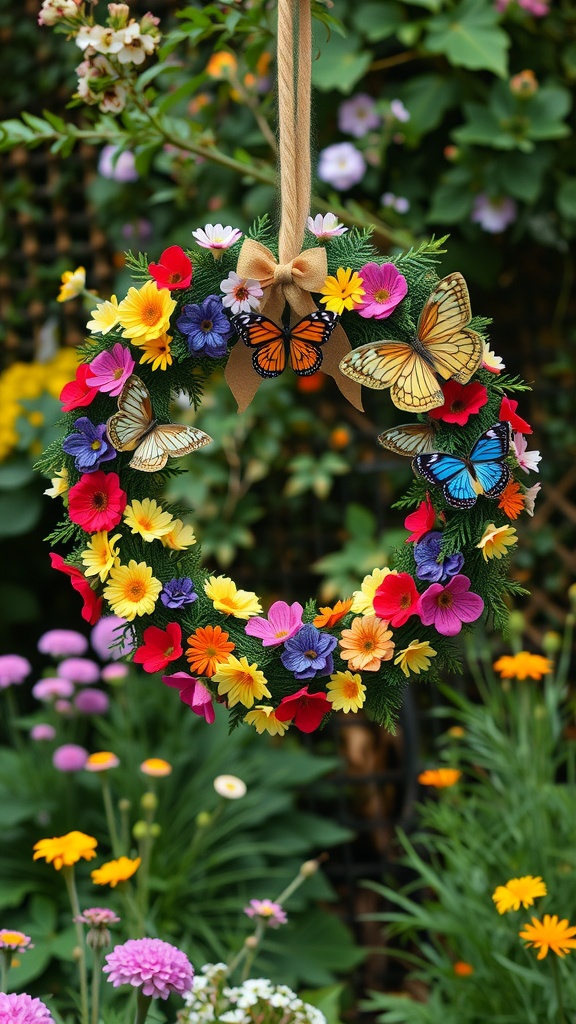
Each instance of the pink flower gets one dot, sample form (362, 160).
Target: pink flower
(110, 370)
(49, 688)
(92, 701)
(341, 165)
(384, 287)
(493, 215)
(421, 521)
(460, 402)
(284, 620)
(105, 638)
(42, 731)
(358, 115)
(194, 694)
(114, 672)
(528, 461)
(69, 758)
(77, 393)
(240, 295)
(62, 643)
(79, 670)
(13, 670)
(174, 269)
(271, 913)
(446, 608)
(160, 647)
(325, 227)
(23, 1009)
(216, 237)
(507, 412)
(152, 965)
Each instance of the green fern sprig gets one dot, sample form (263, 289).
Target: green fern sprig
(137, 265)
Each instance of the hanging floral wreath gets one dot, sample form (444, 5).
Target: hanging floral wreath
(133, 554)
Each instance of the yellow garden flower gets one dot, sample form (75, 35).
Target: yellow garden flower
(100, 555)
(59, 483)
(157, 352)
(496, 539)
(73, 284)
(343, 291)
(115, 871)
(415, 657)
(441, 778)
(226, 597)
(132, 590)
(518, 891)
(180, 537)
(550, 933)
(240, 682)
(17, 941)
(523, 666)
(63, 851)
(346, 692)
(263, 718)
(156, 767)
(148, 519)
(104, 317)
(145, 312)
(363, 598)
(102, 761)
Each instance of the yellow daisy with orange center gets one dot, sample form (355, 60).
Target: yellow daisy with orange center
(240, 682)
(145, 313)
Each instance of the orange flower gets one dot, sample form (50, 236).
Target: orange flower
(439, 777)
(330, 616)
(209, 647)
(462, 969)
(523, 666)
(366, 644)
(512, 500)
(549, 933)
(222, 65)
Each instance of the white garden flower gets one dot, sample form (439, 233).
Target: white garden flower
(216, 237)
(241, 295)
(341, 165)
(325, 227)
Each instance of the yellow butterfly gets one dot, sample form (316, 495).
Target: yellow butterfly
(443, 347)
(410, 439)
(133, 426)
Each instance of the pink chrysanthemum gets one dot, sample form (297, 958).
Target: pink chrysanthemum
(152, 965)
(23, 1009)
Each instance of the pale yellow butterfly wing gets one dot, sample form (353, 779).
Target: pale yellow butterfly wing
(167, 441)
(134, 417)
(395, 365)
(456, 351)
(409, 439)
(416, 387)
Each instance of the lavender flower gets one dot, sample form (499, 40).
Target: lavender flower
(493, 215)
(69, 758)
(272, 913)
(90, 445)
(105, 638)
(92, 701)
(154, 966)
(13, 670)
(309, 653)
(117, 166)
(428, 563)
(358, 115)
(49, 688)
(206, 327)
(79, 670)
(62, 643)
(42, 731)
(98, 919)
(178, 592)
(341, 165)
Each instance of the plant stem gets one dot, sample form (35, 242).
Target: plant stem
(96, 979)
(142, 1007)
(68, 872)
(5, 961)
(110, 816)
(558, 990)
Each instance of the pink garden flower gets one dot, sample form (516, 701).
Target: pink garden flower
(241, 295)
(62, 643)
(110, 370)
(193, 693)
(272, 913)
(92, 701)
(13, 670)
(528, 461)
(42, 731)
(70, 757)
(23, 1009)
(284, 620)
(50, 688)
(384, 287)
(216, 237)
(79, 670)
(105, 638)
(154, 966)
(446, 608)
(98, 920)
(358, 115)
(325, 227)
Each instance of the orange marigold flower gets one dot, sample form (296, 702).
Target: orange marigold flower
(366, 644)
(115, 871)
(439, 777)
(512, 500)
(518, 891)
(64, 851)
(328, 617)
(209, 647)
(523, 666)
(462, 969)
(550, 933)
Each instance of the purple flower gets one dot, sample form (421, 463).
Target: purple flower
(398, 203)
(79, 670)
(272, 913)
(178, 592)
(62, 643)
(428, 563)
(47, 689)
(114, 672)
(105, 638)
(206, 327)
(118, 168)
(493, 215)
(341, 165)
(98, 919)
(92, 701)
(152, 965)
(309, 653)
(69, 758)
(42, 731)
(284, 621)
(110, 370)
(13, 670)
(358, 115)
(23, 1009)
(90, 445)
(64, 707)
(446, 608)
(194, 694)
(384, 288)
(399, 112)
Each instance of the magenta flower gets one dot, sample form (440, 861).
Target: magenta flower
(446, 608)
(48, 689)
(272, 913)
(13, 670)
(69, 758)
(284, 620)
(92, 701)
(193, 693)
(62, 643)
(79, 670)
(42, 731)
(152, 965)
(110, 370)
(384, 287)
(23, 1009)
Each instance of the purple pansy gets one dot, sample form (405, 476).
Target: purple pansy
(428, 564)
(178, 592)
(206, 327)
(90, 445)
(309, 653)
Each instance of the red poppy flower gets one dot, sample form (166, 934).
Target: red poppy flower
(97, 501)
(305, 710)
(92, 609)
(76, 393)
(396, 599)
(421, 521)
(460, 402)
(160, 647)
(508, 408)
(174, 269)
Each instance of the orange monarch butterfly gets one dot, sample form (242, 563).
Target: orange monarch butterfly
(273, 345)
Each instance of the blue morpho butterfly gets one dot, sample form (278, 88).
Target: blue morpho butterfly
(463, 480)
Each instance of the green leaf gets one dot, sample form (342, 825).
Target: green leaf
(15, 474)
(377, 21)
(427, 97)
(469, 36)
(20, 511)
(521, 174)
(484, 128)
(566, 199)
(450, 204)
(341, 64)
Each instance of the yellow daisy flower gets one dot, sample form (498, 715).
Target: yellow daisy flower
(104, 317)
(100, 555)
(132, 590)
(59, 483)
(145, 312)
(157, 352)
(415, 657)
(263, 718)
(518, 891)
(550, 933)
(346, 692)
(115, 871)
(73, 284)
(63, 851)
(148, 519)
(226, 597)
(240, 682)
(496, 539)
(363, 598)
(180, 537)
(343, 291)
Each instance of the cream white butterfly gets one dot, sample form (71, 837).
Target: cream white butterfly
(134, 426)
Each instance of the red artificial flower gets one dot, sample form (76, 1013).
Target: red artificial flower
(76, 393)
(396, 599)
(160, 647)
(460, 402)
(508, 408)
(92, 609)
(97, 501)
(305, 710)
(174, 269)
(421, 521)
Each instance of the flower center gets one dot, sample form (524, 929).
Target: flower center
(174, 278)
(96, 445)
(228, 601)
(207, 326)
(168, 651)
(118, 372)
(145, 524)
(368, 645)
(457, 406)
(150, 314)
(311, 654)
(405, 601)
(350, 690)
(100, 501)
(245, 679)
(136, 590)
(445, 600)
(211, 652)
(382, 295)
(279, 633)
(241, 293)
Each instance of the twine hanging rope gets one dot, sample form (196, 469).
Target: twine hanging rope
(297, 272)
